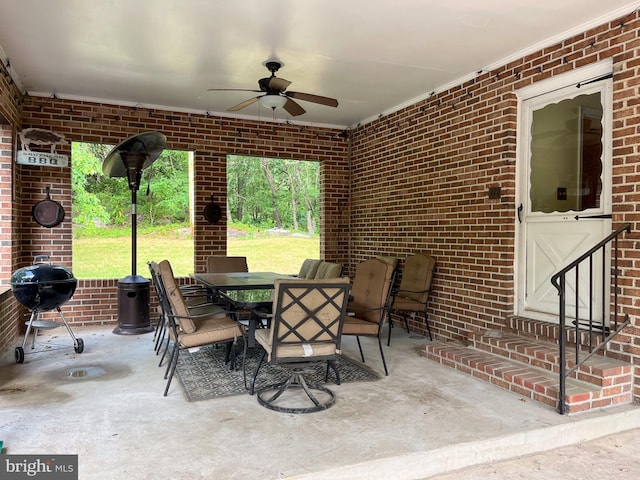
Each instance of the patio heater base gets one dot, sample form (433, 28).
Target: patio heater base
(133, 306)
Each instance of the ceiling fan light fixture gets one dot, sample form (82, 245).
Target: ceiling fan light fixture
(273, 101)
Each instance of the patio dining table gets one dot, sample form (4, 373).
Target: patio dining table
(243, 291)
(239, 280)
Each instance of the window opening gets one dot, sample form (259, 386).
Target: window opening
(273, 212)
(101, 214)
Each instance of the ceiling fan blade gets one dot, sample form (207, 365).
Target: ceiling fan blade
(279, 84)
(232, 90)
(293, 108)
(307, 97)
(246, 103)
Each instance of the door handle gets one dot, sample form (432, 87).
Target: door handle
(579, 217)
(519, 210)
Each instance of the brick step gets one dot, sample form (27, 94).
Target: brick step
(528, 380)
(598, 370)
(538, 329)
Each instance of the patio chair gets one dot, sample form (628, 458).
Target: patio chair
(224, 264)
(197, 305)
(395, 264)
(305, 328)
(189, 330)
(367, 312)
(195, 298)
(412, 295)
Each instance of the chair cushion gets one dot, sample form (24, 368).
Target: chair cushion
(208, 309)
(309, 268)
(224, 264)
(359, 326)
(370, 290)
(417, 276)
(179, 306)
(328, 270)
(393, 261)
(174, 295)
(263, 337)
(407, 304)
(212, 330)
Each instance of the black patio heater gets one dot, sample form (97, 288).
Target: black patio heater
(128, 160)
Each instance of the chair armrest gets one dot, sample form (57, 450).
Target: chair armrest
(398, 292)
(189, 293)
(202, 315)
(192, 288)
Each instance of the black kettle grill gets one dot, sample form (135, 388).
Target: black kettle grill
(42, 287)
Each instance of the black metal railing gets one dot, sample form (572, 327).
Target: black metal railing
(587, 325)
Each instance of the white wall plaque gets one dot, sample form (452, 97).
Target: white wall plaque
(43, 159)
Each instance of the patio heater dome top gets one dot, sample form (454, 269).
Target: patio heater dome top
(150, 144)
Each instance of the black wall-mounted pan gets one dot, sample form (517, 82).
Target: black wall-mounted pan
(47, 212)
(212, 212)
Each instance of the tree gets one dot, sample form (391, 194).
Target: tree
(167, 200)
(291, 168)
(268, 192)
(264, 163)
(241, 184)
(99, 200)
(87, 169)
(308, 178)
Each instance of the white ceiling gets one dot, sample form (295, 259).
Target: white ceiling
(371, 55)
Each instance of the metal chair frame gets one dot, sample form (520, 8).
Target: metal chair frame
(356, 310)
(426, 292)
(314, 324)
(177, 333)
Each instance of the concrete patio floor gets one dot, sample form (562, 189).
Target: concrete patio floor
(422, 420)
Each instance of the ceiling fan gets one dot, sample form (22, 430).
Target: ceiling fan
(275, 94)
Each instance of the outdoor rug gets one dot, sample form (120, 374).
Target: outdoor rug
(204, 375)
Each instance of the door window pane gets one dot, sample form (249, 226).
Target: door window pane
(566, 155)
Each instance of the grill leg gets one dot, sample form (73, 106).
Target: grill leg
(26, 335)
(73, 337)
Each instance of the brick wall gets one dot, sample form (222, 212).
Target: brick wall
(6, 207)
(10, 100)
(420, 180)
(210, 138)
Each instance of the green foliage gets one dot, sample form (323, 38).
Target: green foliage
(262, 192)
(168, 200)
(290, 200)
(87, 169)
(100, 201)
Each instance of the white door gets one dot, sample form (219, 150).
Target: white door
(564, 201)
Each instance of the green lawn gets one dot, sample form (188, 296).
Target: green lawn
(111, 257)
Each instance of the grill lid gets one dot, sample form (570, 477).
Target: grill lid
(41, 273)
(43, 287)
